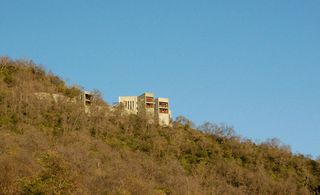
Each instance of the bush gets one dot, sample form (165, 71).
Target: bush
(54, 147)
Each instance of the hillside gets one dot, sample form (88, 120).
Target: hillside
(55, 147)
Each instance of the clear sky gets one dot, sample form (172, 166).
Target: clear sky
(251, 64)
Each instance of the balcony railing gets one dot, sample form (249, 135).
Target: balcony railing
(149, 99)
(163, 104)
(149, 105)
(162, 110)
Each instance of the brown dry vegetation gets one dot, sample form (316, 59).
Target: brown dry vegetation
(55, 148)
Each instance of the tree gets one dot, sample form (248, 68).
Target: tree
(184, 122)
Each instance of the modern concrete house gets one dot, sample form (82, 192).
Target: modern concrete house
(162, 111)
(156, 110)
(87, 98)
(130, 103)
(146, 106)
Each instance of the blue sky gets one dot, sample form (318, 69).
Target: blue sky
(252, 64)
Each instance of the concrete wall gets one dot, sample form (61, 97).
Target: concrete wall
(156, 110)
(162, 111)
(130, 103)
(54, 97)
(146, 106)
(86, 98)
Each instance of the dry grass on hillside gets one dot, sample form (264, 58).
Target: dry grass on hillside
(49, 147)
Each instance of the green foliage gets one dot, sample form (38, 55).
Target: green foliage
(72, 92)
(8, 74)
(54, 178)
(53, 147)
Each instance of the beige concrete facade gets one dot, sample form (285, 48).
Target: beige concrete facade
(86, 98)
(162, 111)
(146, 105)
(156, 110)
(54, 96)
(130, 103)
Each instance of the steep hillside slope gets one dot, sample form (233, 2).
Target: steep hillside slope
(49, 146)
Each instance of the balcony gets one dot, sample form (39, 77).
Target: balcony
(88, 97)
(149, 105)
(149, 99)
(163, 104)
(163, 110)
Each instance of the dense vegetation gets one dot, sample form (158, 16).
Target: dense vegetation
(54, 147)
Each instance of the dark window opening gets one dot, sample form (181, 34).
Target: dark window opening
(88, 97)
(162, 110)
(149, 105)
(149, 99)
(163, 104)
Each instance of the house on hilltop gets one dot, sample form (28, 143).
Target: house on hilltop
(155, 109)
(130, 103)
(85, 97)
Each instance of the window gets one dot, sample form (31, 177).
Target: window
(149, 99)
(149, 105)
(163, 104)
(163, 110)
(88, 96)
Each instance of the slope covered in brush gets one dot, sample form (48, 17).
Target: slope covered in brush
(49, 146)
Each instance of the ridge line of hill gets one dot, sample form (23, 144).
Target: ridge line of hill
(56, 148)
